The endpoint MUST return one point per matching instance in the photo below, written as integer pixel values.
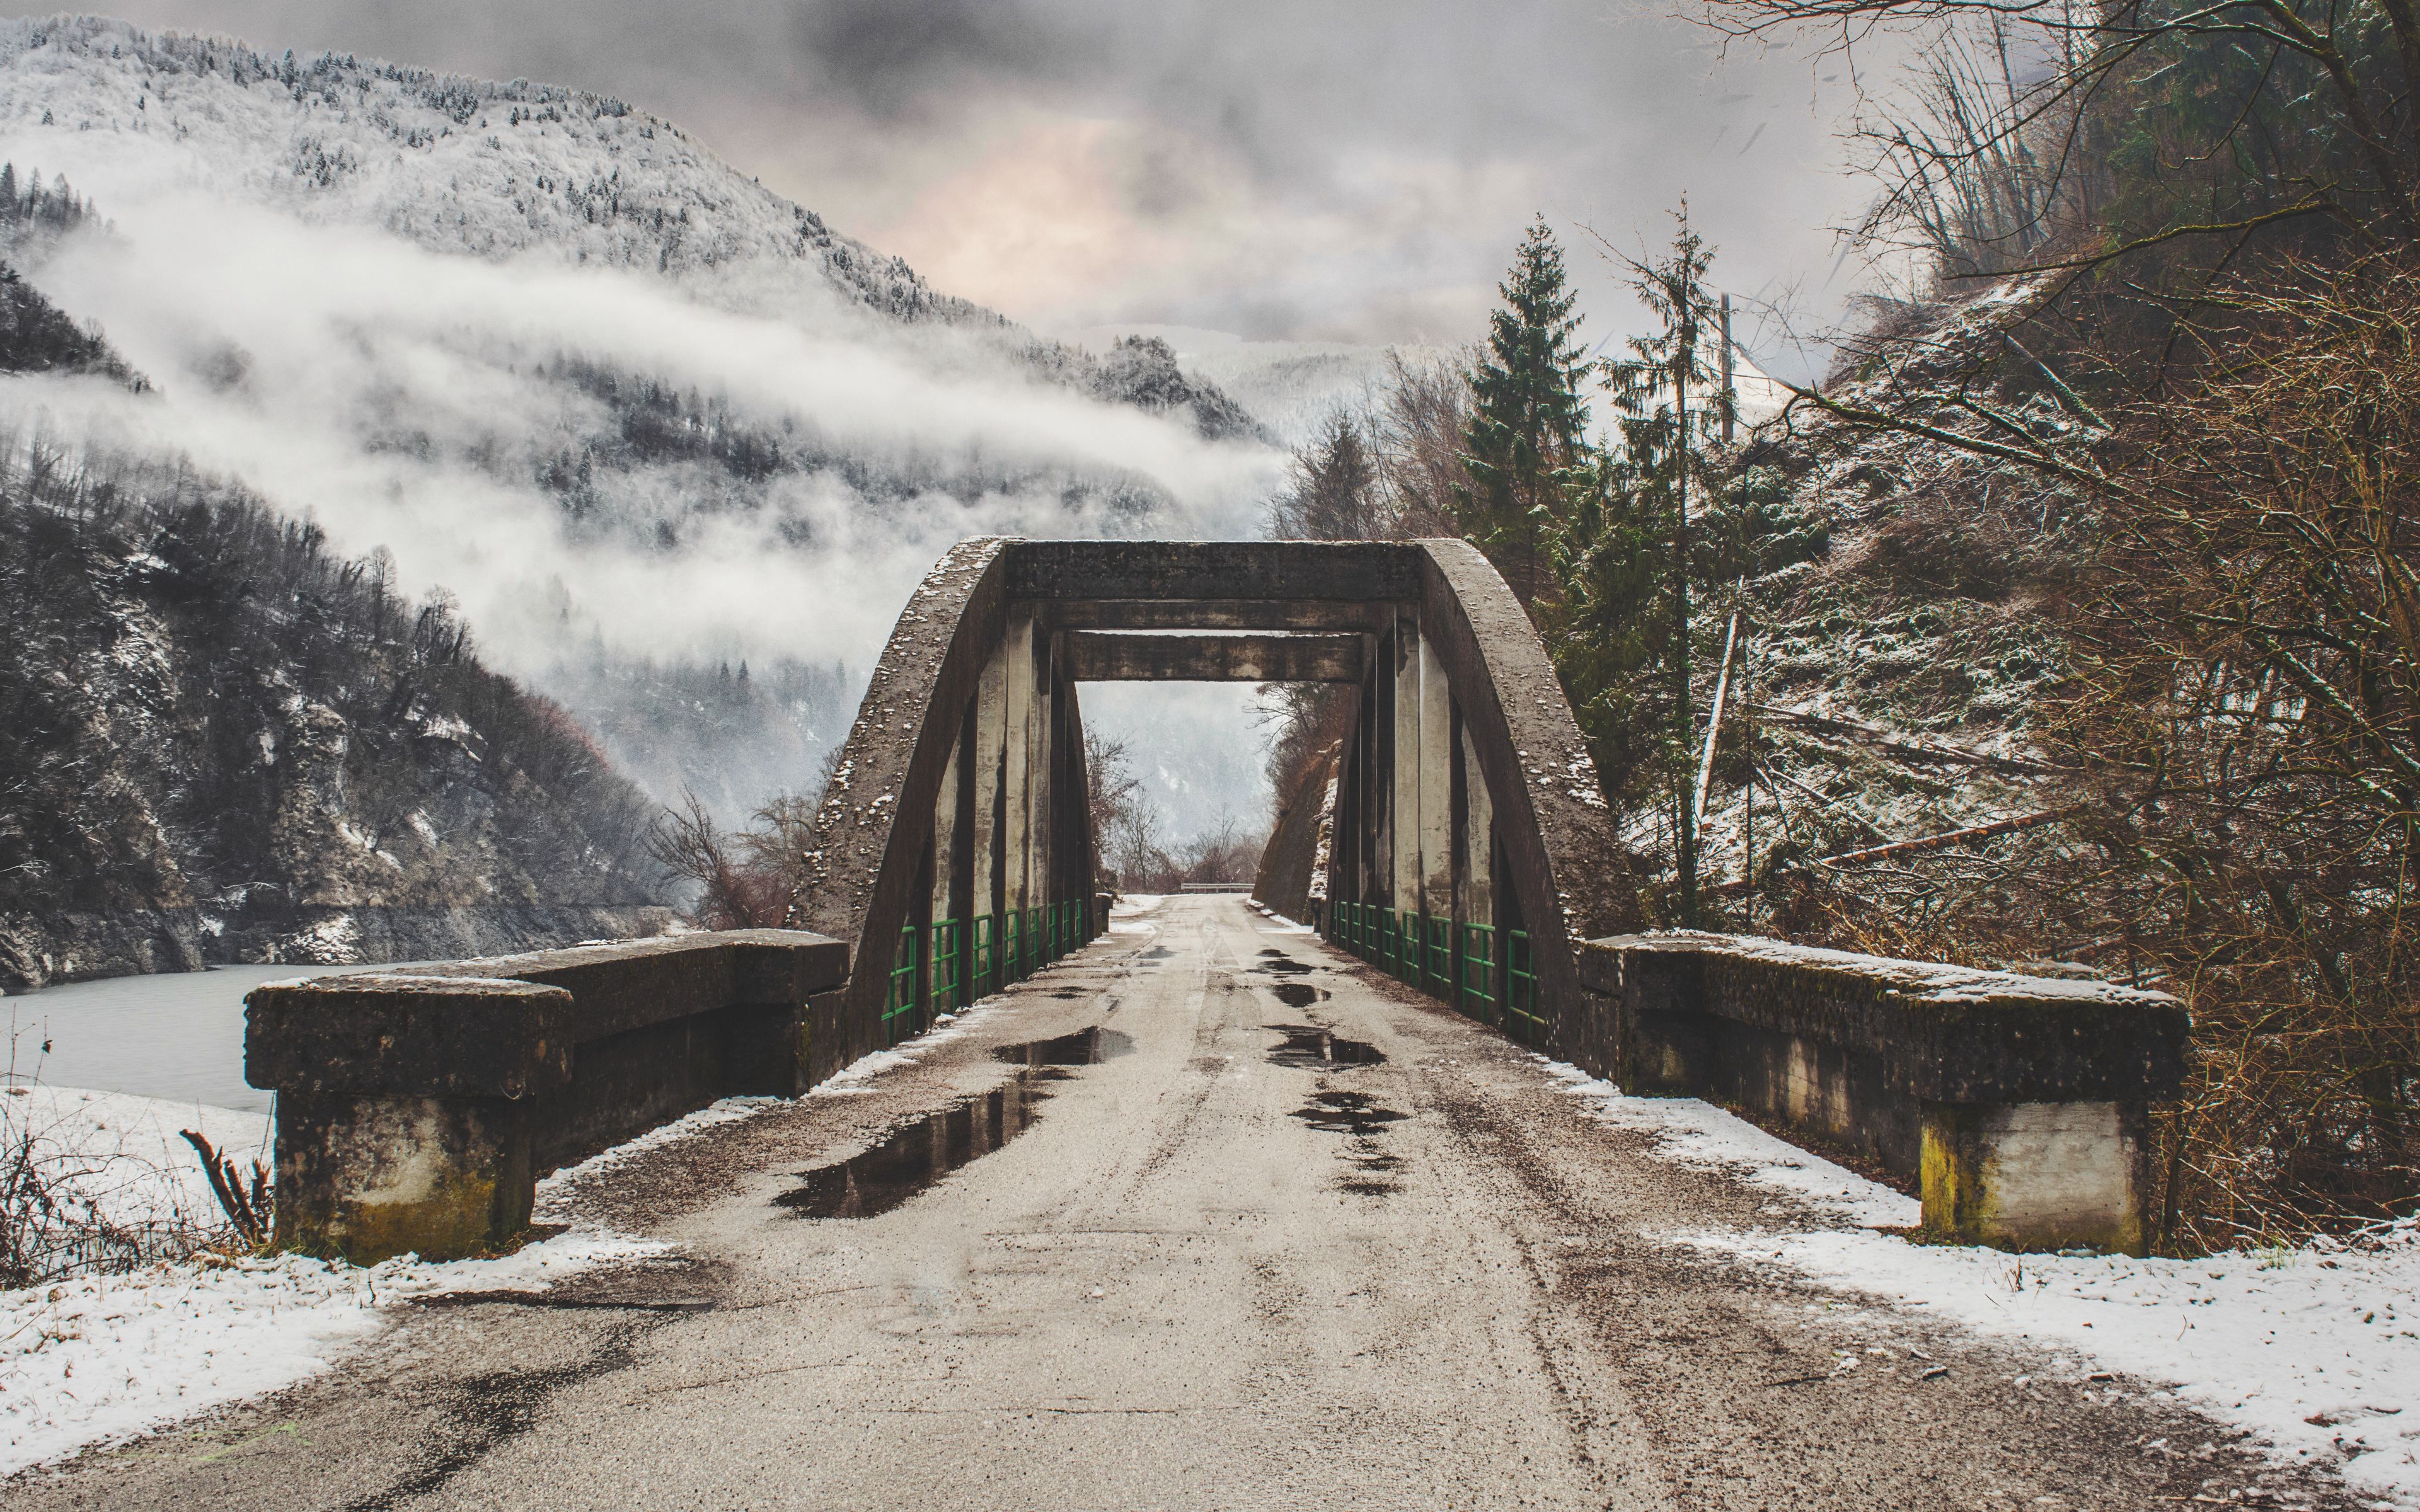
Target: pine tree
(1333, 495)
(1528, 423)
(1673, 406)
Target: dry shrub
(68, 1208)
(743, 880)
(2248, 703)
(2242, 729)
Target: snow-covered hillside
(454, 164)
(1289, 386)
(628, 407)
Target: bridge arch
(1467, 846)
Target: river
(178, 1036)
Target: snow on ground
(2315, 1351)
(110, 1358)
(103, 1359)
(1284, 925)
(123, 1156)
(1126, 914)
(1699, 1135)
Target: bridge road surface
(1202, 1271)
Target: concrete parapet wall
(416, 1110)
(2018, 1103)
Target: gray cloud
(897, 59)
(1356, 170)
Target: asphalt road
(1277, 1234)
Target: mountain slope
(642, 416)
(454, 164)
(220, 741)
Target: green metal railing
(1478, 972)
(1487, 972)
(982, 958)
(948, 964)
(902, 1004)
(1521, 1017)
(945, 984)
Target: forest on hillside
(221, 741)
(2072, 622)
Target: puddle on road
(1279, 964)
(1085, 1048)
(921, 1153)
(1297, 994)
(1349, 1113)
(1309, 1047)
(1158, 953)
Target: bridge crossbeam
(1144, 657)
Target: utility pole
(1684, 359)
(1731, 395)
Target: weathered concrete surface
(1456, 653)
(1320, 571)
(1140, 656)
(1548, 811)
(2019, 1102)
(862, 875)
(1172, 1291)
(415, 1109)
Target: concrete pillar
(371, 1176)
(988, 774)
(1041, 769)
(1404, 808)
(945, 883)
(1477, 905)
(1437, 786)
(1369, 795)
(2035, 1176)
(1016, 820)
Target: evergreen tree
(1673, 406)
(1527, 435)
(1333, 495)
(1656, 525)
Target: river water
(178, 1036)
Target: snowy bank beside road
(124, 1158)
(2315, 1351)
(102, 1358)
(109, 1358)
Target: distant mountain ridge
(583, 176)
(662, 475)
(500, 170)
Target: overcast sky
(1355, 170)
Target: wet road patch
(1309, 1047)
(1085, 1048)
(1297, 994)
(917, 1155)
(1349, 1113)
(1277, 963)
(1369, 1169)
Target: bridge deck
(1218, 1268)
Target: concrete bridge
(1458, 843)
(1465, 828)
(1303, 1220)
